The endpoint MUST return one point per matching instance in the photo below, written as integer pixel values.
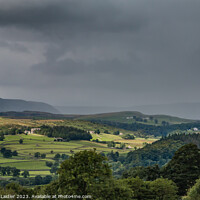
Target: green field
(38, 143)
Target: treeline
(29, 181)
(65, 132)
(9, 171)
(146, 129)
(186, 138)
(7, 153)
(13, 130)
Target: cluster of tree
(25, 173)
(65, 132)
(39, 180)
(113, 156)
(116, 133)
(7, 153)
(28, 181)
(145, 120)
(139, 119)
(54, 167)
(9, 171)
(112, 144)
(128, 137)
(39, 155)
(183, 169)
(97, 131)
(145, 129)
(60, 157)
(99, 141)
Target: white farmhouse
(34, 129)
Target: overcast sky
(100, 52)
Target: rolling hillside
(133, 116)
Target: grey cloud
(70, 67)
(14, 46)
(83, 51)
(69, 16)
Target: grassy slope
(85, 125)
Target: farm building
(58, 140)
(34, 129)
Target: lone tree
(21, 141)
(43, 155)
(25, 174)
(7, 153)
(37, 155)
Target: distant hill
(133, 116)
(35, 115)
(19, 105)
(86, 110)
(127, 117)
(183, 110)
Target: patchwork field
(38, 143)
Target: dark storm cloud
(129, 51)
